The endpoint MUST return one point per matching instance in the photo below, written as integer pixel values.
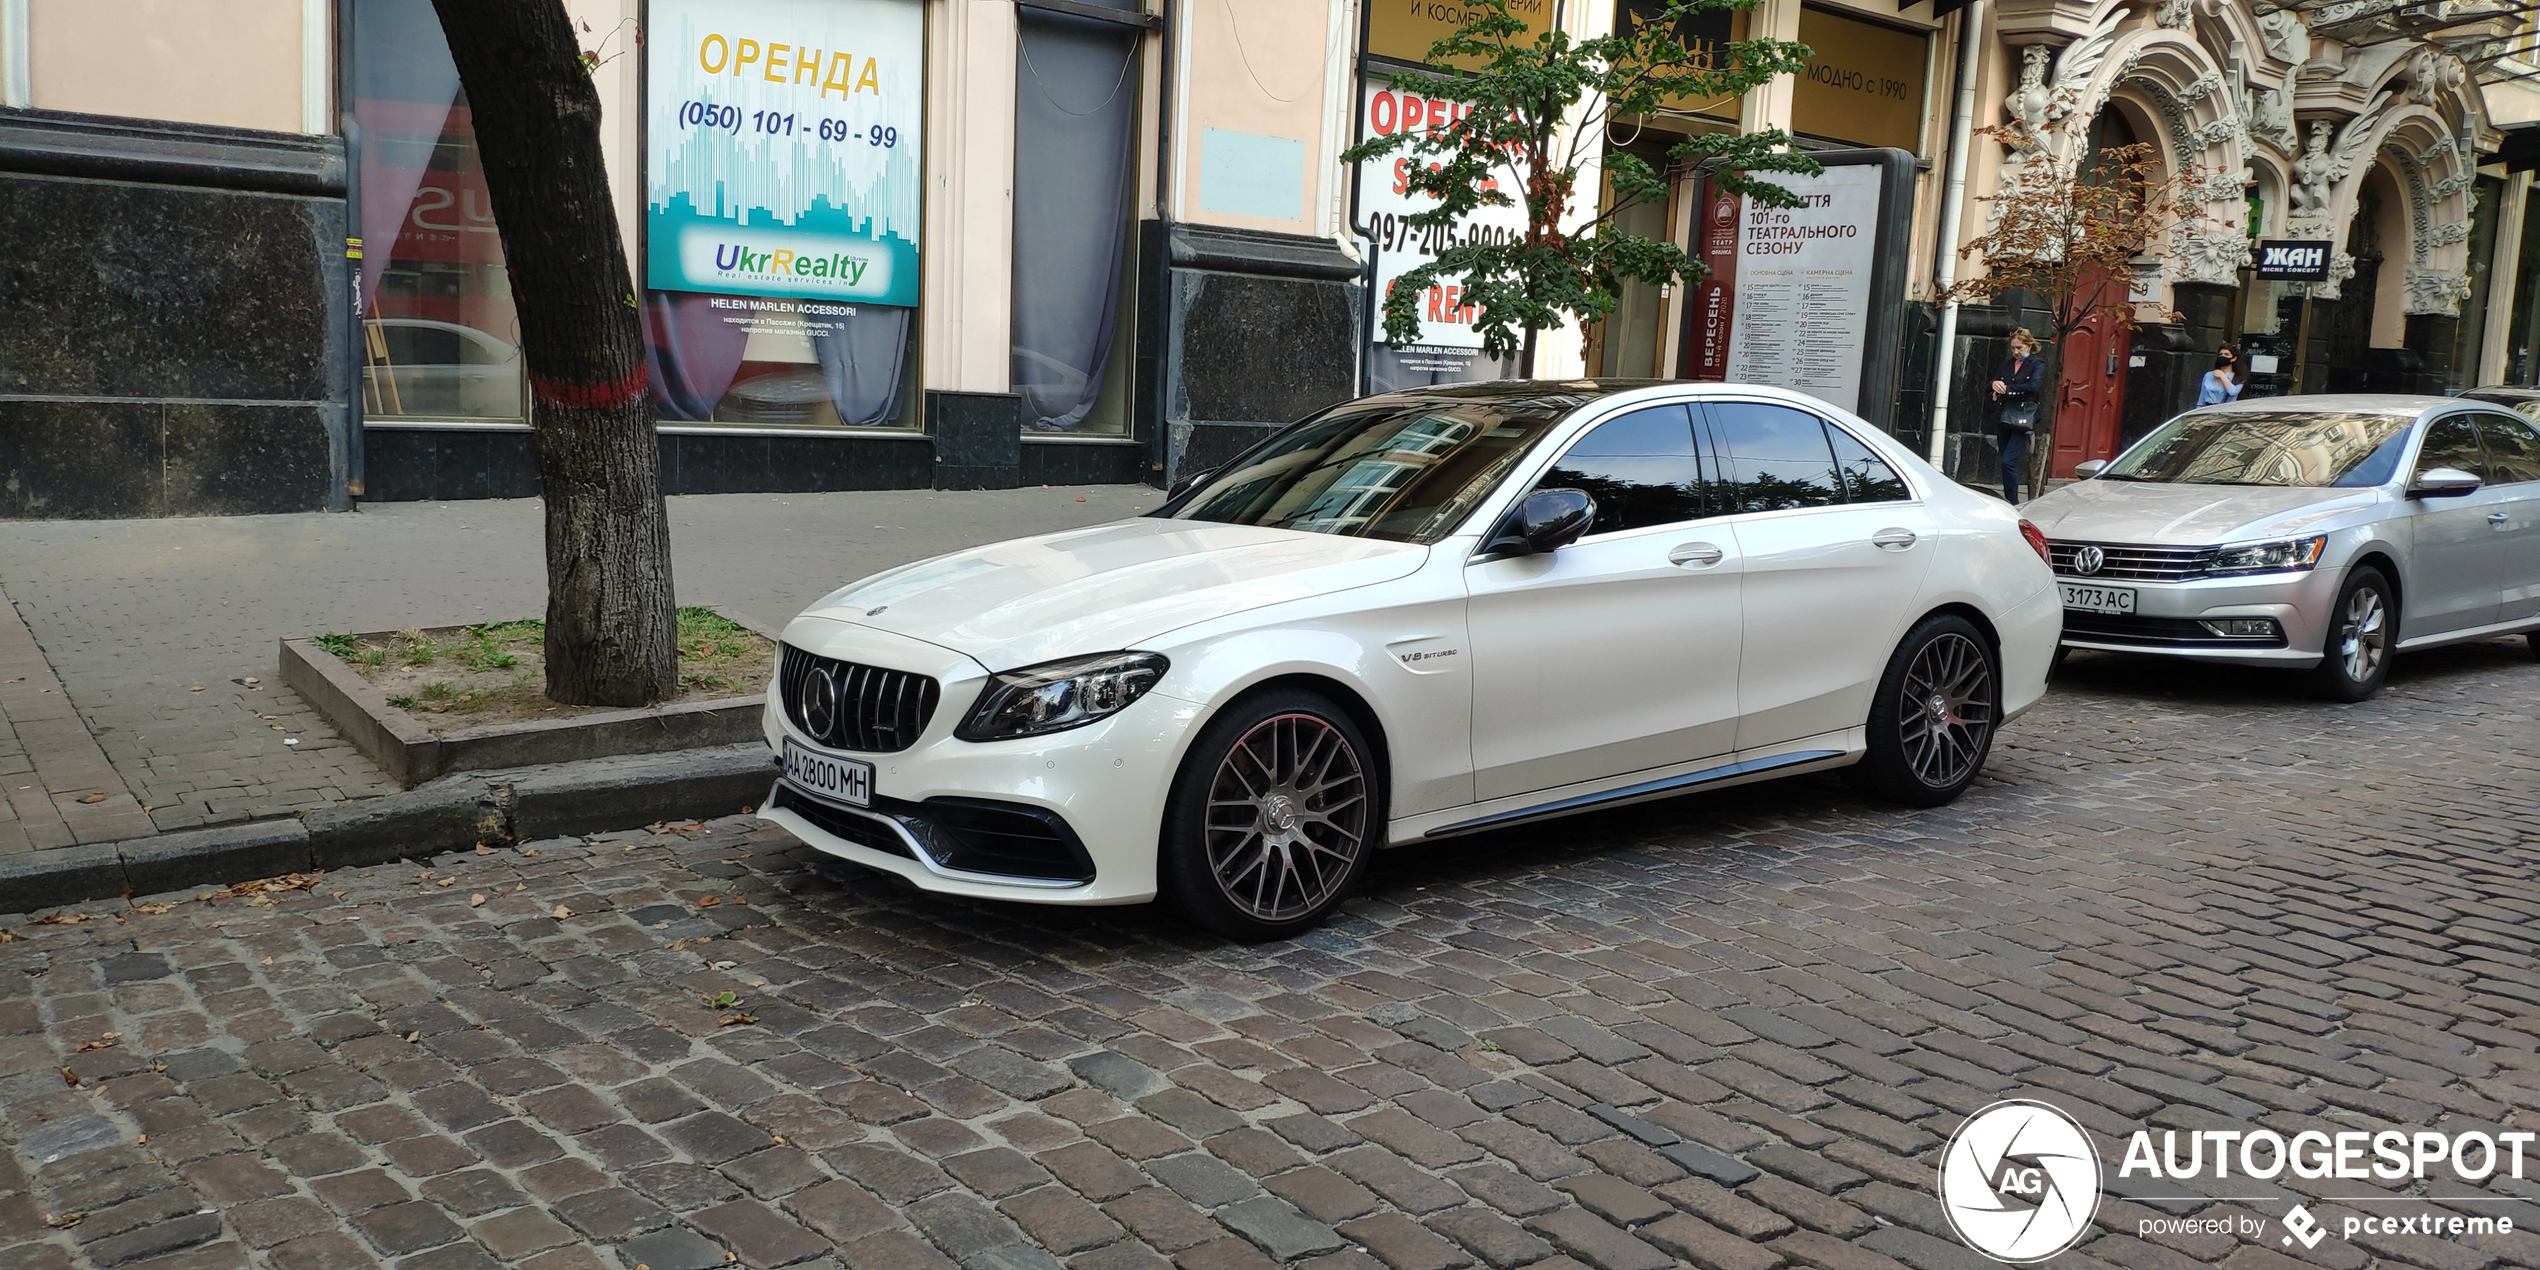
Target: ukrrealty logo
(778, 261)
(2019, 1181)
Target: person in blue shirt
(2015, 389)
(2222, 383)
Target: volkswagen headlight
(1055, 696)
(2284, 555)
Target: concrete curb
(454, 812)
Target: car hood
(2186, 515)
(1111, 586)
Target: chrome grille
(850, 707)
(2129, 562)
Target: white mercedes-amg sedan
(1412, 616)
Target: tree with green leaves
(1540, 110)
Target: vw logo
(2089, 560)
(817, 700)
(2020, 1181)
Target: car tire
(2533, 638)
(2362, 628)
(1933, 719)
(1273, 818)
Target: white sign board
(782, 142)
(1385, 203)
(1799, 280)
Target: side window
(2513, 449)
(1775, 456)
(2452, 442)
(1866, 477)
(1640, 468)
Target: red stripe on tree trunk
(582, 396)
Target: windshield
(1405, 471)
(2289, 447)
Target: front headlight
(2287, 555)
(1055, 696)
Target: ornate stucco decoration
(2310, 195)
(2214, 257)
(2438, 292)
(2286, 36)
(2341, 267)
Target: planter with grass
(470, 698)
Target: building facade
(978, 243)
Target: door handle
(1893, 539)
(2498, 519)
(1694, 555)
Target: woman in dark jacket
(2015, 389)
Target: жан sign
(1809, 298)
(2292, 260)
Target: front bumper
(2168, 616)
(1104, 784)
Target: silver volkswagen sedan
(2310, 533)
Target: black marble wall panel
(1083, 463)
(408, 465)
(1263, 350)
(122, 290)
(73, 459)
(978, 439)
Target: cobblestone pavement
(164, 631)
(1731, 1031)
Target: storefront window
(1075, 124)
(439, 338)
(782, 171)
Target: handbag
(2020, 418)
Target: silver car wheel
(2366, 636)
(1287, 817)
(1946, 714)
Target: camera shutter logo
(2020, 1181)
(2089, 560)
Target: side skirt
(1818, 753)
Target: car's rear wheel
(1273, 817)
(2356, 656)
(1932, 722)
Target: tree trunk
(2041, 443)
(612, 628)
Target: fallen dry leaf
(93, 798)
(482, 849)
(709, 901)
(63, 1222)
(561, 912)
(445, 881)
(62, 919)
(105, 1042)
(69, 1077)
(477, 900)
(154, 907)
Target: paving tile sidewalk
(162, 632)
(60, 789)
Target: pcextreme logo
(2020, 1181)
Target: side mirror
(1548, 520)
(2084, 471)
(1189, 482)
(2443, 482)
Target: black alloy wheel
(1932, 722)
(1273, 818)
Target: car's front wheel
(1932, 722)
(1273, 817)
(2356, 656)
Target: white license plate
(839, 780)
(2097, 599)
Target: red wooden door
(2092, 371)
